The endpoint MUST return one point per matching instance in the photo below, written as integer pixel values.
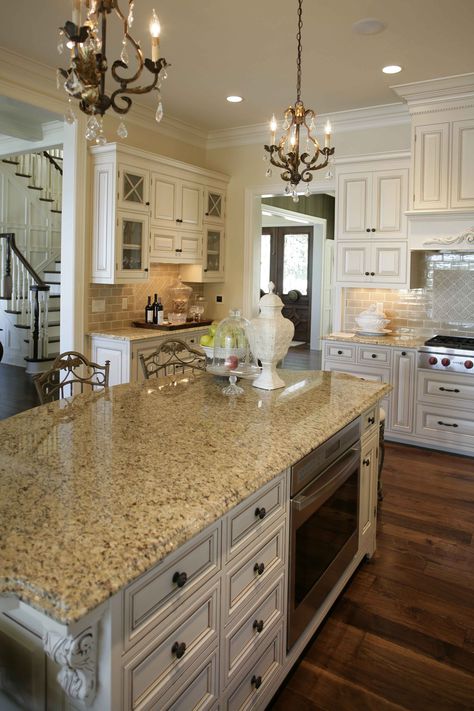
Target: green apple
(212, 329)
(206, 340)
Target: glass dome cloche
(232, 355)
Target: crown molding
(20, 78)
(372, 117)
(443, 90)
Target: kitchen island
(102, 494)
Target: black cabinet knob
(374, 355)
(404, 353)
(207, 214)
(366, 462)
(258, 625)
(147, 203)
(178, 220)
(371, 420)
(372, 273)
(178, 649)
(261, 513)
(259, 568)
(366, 273)
(205, 269)
(145, 270)
(339, 353)
(178, 250)
(368, 229)
(256, 681)
(373, 229)
(180, 579)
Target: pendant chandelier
(85, 78)
(298, 151)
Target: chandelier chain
(298, 60)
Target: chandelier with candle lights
(298, 151)
(85, 36)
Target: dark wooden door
(288, 260)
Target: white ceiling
(221, 47)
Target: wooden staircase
(32, 301)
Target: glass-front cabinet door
(214, 254)
(132, 246)
(214, 205)
(133, 188)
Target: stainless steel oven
(324, 524)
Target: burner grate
(451, 342)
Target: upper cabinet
(442, 118)
(148, 208)
(372, 203)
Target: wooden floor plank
(401, 635)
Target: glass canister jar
(180, 295)
(232, 354)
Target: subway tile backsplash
(115, 316)
(445, 304)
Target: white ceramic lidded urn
(270, 335)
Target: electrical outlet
(98, 306)
(219, 300)
(124, 303)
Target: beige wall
(246, 167)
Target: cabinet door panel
(191, 206)
(103, 226)
(431, 166)
(117, 356)
(389, 262)
(462, 184)
(354, 205)
(191, 246)
(352, 261)
(390, 203)
(133, 188)
(164, 202)
(368, 488)
(133, 233)
(163, 245)
(403, 396)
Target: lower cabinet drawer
(339, 351)
(155, 595)
(372, 354)
(200, 691)
(241, 641)
(159, 662)
(257, 680)
(250, 574)
(369, 419)
(445, 425)
(452, 391)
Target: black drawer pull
(258, 625)
(261, 513)
(178, 250)
(259, 568)
(178, 220)
(180, 579)
(256, 681)
(371, 420)
(178, 649)
(374, 355)
(449, 390)
(366, 462)
(447, 424)
(339, 352)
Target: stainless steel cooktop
(447, 353)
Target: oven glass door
(323, 535)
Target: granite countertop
(96, 489)
(397, 340)
(140, 334)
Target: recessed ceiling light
(368, 26)
(392, 69)
(269, 195)
(234, 99)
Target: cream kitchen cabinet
(371, 203)
(214, 205)
(211, 268)
(402, 410)
(371, 263)
(443, 164)
(176, 203)
(120, 238)
(368, 487)
(175, 246)
(133, 188)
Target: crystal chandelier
(298, 125)
(85, 78)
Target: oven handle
(333, 477)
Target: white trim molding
(464, 240)
(421, 95)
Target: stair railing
(27, 294)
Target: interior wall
(246, 167)
(320, 205)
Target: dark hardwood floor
(301, 358)
(17, 392)
(401, 636)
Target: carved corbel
(465, 238)
(78, 660)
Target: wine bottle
(149, 311)
(159, 312)
(155, 309)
